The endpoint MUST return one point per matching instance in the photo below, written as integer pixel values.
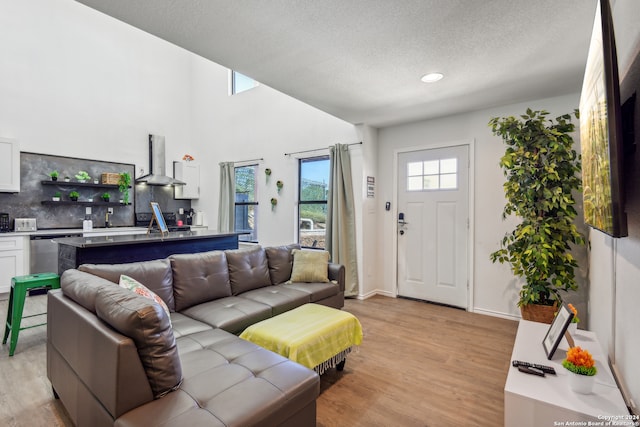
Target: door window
(439, 174)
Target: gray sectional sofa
(117, 358)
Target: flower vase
(572, 329)
(582, 384)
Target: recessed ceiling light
(432, 77)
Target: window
(246, 205)
(432, 175)
(240, 82)
(312, 201)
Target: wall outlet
(87, 210)
(110, 210)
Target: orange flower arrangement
(575, 313)
(580, 362)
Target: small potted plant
(56, 196)
(67, 179)
(106, 197)
(581, 364)
(73, 196)
(83, 176)
(54, 175)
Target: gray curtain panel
(341, 222)
(226, 206)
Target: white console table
(530, 400)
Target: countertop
(63, 231)
(129, 239)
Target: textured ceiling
(361, 60)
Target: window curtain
(341, 223)
(226, 206)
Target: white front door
(433, 219)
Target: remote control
(544, 368)
(532, 371)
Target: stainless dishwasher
(44, 252)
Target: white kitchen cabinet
(9, 165)
(188, 172)
(13, 260)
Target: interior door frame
(470, 143)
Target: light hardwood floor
(419, 364)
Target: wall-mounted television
(601, 131)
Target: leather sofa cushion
(232, 314)
(83, 287)
(148, 325)
(278, 297)
(231, 382)
(316, 291)
(280, 260)
(199, 278)
(155, 275)
(248, 269)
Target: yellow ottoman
(316, 336)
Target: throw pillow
(310, 266)
(140, 289)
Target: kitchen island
(74, 251)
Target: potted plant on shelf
(54, 175)
(83, 176)
(73, 196)
(56, 196)
(106, 197)
(123, 185)
(542, 171)
(583, 368)
(67, 179)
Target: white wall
(74, 82)
(259, 123)
(495, 291)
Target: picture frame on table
(557, 330)
(158, 218)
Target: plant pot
(538, 313)
(106, 199)
(582, 384)
(55, 199)
(54, 178)
(73, 199)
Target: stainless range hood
(157, 165)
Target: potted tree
(542, 171)
(106, 197)
(73, 196)
(54, 175)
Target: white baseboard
(374, 293)
(496, 314)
